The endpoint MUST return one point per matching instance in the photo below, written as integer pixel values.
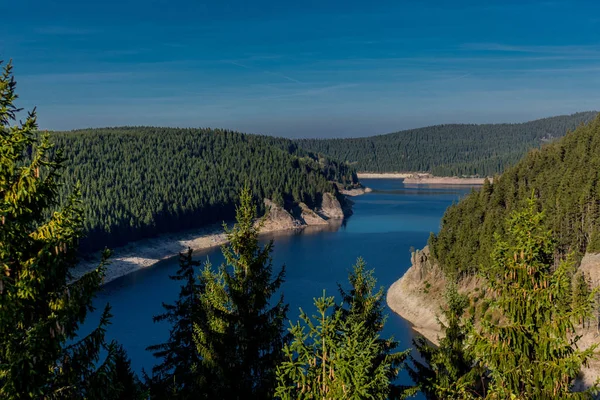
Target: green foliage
(362, 304)
(449, 370)
(239, 334)
(594, 244)
(443, 150)
(580, 297)
(139, 182)
(530, 352)
(334, 359)
(339, 353)
(564, 176)
(176, 377)
(40, 311)
(131, 388)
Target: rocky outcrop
(417, 296)
(355, 191)
(590, 265)
(331, 207)
(309, 217)
(278, 218)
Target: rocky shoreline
(356, 191)
(146, 253)
(418, 295)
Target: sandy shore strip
(147, 252)
(422, 178)
(444, 180)
(386, 175)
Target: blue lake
(385, 224)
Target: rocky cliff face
(417, 296)
(331, 207)
(308, 216)
(278, 218)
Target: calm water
(385, 224)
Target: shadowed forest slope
(563, 176)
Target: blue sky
(302, 68)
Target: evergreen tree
(40, 311)
(449, 370)
(581, 295)
(131, 387)
(239, 334)
(176, 376)
(530, 352)
(362, 304)
(331, 358)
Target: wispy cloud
(64, 30)
(284, 77)
(238, 64)
(314, 91)
(79, 78)
(565, 50)
(289, 78)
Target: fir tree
(362, 304)
(331, 358)
(581, 295)
(131, 388)
(530, 352)
(449, 370)
(338, 353)
(177, 374)
(239, 335)
(40, 311)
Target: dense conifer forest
(563, 176)
(138, 182)
(448, 150)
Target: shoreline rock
(356, 191)
(310, 217)
(417, 296)
(330, 207)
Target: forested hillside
(563, 176)
(448, 150)
(140, 181)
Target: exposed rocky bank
(278, 218)
(146, 253)
(418, 296)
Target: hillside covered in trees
(448, 150)
(138, 182)
(564, 178)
